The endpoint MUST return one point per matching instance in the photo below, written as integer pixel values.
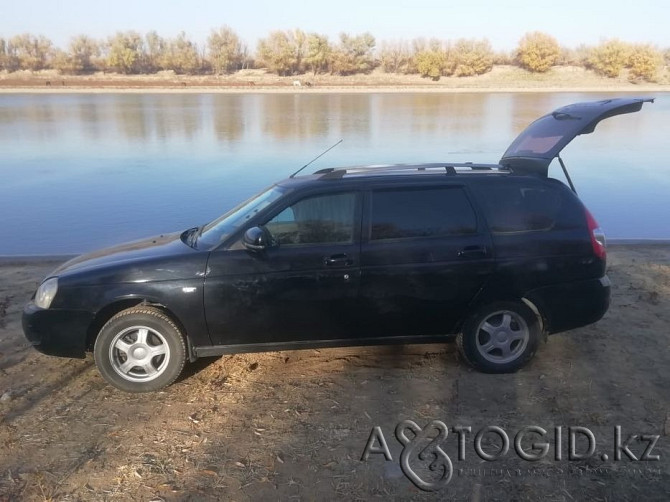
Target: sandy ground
(500, 79)
(293, 425)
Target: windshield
(215, 232)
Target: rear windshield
(520, 208)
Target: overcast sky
(503, 22)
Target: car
(496, 255)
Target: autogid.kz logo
(425, 462)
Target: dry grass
(292, 425)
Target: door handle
(338, 260)
(472, 251)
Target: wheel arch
(493, 294)
(121, 304)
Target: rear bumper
(572, 305)
(56, 332)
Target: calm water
(78, 172)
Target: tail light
(597, 237)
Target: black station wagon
(498, 255)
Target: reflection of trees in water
(40, 115)
(130, 116)
(525, 108)
(176, 115)
(229, 115)
(450, 114)
(162, 117)
(91, 118)
(287, 116)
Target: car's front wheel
(140, 349)
(500, 338)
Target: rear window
(412, 213)
(518, 208)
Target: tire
(140, 350)
(500, 337)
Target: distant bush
(644, 62)
(609, 58)
(431, 63)
(471, 57)
(354, 54)
(537, 52)
(574, 57)
(396, 57)
(502, 58)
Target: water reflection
(85, 170)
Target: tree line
(292, 52)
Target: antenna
(316, 158)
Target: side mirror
(257, 239)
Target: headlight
(46, 292)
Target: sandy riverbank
(293, 424)
(500, 79)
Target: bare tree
(283, 51)
(226, 52)
(354, 54)
(182, 55)
(31, 52)
(155, 49)
(318, 53)
(395, 57)
(124, 52)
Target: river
(83, 171)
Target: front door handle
(472, 252)
(338, 260)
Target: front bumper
(57, 332)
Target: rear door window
(417, 213)
(518, 208)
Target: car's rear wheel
(140, 350)
(500, 338)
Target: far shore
(324, 90)
(499, 79)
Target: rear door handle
(472, 252)
(338, 260)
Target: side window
(511, 209)
(324, 219)
(410, 213)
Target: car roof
(397, 173)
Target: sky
(503, 22)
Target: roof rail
(449, 169)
